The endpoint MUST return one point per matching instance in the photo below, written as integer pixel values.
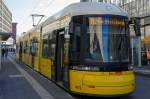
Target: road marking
(15, 76)
(142, 71)
(44, 94)
(147, 71)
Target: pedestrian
(3, 52)
(14, 51)
(6, 52)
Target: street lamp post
(139, 52)
(0, 53)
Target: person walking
(3, 52)
(6, 52)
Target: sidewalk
(17, 81)
(13, 85)
(144, 70)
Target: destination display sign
(106, 21)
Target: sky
(22, 10)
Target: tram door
(20, 51)
(59, 56)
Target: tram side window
(34, 47)
(52, 44)
(25, 47)
(45, 48)
(21, 47)
(28, 48)
(76, 38)
(17, 48)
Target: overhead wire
(27, 18)
(38, 2)
(43, 10)
(48, 5)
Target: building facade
(5, 18)
(14, 31)
(139, 8)
(104, 1)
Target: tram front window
(108, 40)
(105, 39)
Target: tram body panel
(28, 49)
(24, 49)
(17, 55)
(36, 64)
(37, 59)
(20, 49)
(30, 61)
(101, 83)
(26, 58)
(17, 47)
(45, 62)
(45, 67)
(35, 50)
(23, 54)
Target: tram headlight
(86, 68)
(130, 67)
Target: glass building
(139, 8)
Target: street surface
(18, 81)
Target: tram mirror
(41, 29)
(136, 25)
(66, 29)
(70, 30)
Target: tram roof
(85, 8)
(88, 8)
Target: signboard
(101, 21)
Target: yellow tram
(84, 48)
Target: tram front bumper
(102, 83)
